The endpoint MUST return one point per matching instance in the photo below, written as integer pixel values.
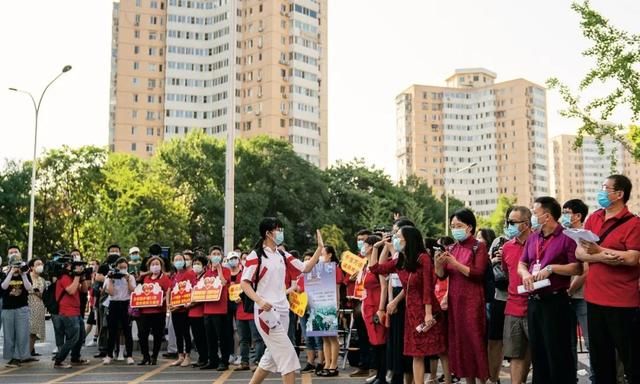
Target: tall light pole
(66, 68)
(229, 180)
(446, 198)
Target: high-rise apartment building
(500, 126)
(173, 63)
(579, 173)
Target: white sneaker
(130, 361)
(232, 359)
(121, 356)
(371, 379)
(237, 361)
(90, 343)
(107, 360)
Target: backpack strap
(615, 225)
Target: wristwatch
(548, 269)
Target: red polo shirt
(516, 303)
(614, 286)
(196, 309)
(218, 307)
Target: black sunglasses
(511, 222)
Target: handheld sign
(298, 303)
(207, 289)
(147, 295)
(352, 263)
(234, 292)
(359, 293)
(180, 294)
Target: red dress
(419, 288)
(377, 332)
(467, 314)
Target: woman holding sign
(424, 332)
(152, 319)
(196, 314)
(179, 313)
(263, 281)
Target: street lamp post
(446, 198)
(229, 180)
(36, 107)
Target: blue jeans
(16, 333)
(67, 330)
(247, 330)
(82, 334)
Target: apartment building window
(151, 99)
(149, 131)
(136, 49)
(135, 98)
(136, 65)
(149, 148)
(153, 35)
(133, 131)
(153, 20)
(134, 81)
(154, 4)
(138, 4)
(151, 83)
(282, 123)
(134, 114)
(133, 147)
(150, 116)
(136, 34)
(153, 51)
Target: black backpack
(51, 302)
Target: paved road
(98, 373)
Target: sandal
(332, 372)
(323, 373)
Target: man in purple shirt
(549, 254)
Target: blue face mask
(603, 199)
(178, 264)
(134, 257)
(512, 231)
(396, 244)
(565, 220)
(459, 234)
(360, 245)
(279, 239)
(535, 224)
(233, 263)
(215, 259)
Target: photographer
(119, 284)
(15, 313)
(113, 254)
(85, 282)
(67, 323)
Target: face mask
(155, 269)
(233, 263)
(360, 244)
(535, 224)
(603, 199)
(459, 234)
(178, 264)
(187, 263)
(363, 251)
(512, 231)
(215, 259)
(396, 244)
(39, 269)
(197, 268)
(77, 258)
(135, 257)
(279, 239)
(124, 270)
(114, 255)
(14, 255)
(565, 220)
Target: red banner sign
(207, 289)
(180, 294)
(147, 296)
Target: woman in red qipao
(465, 263)
(373, 311)
(424, 332)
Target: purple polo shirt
(557, 248)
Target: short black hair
(76, 250)
(508, 212)
(622, 183)
(215, 248)
(371, 240)
(13, 247)
(364, 232)
(466, 216)
(550, 205)
(268, 224)
(203, 260)
(113, 246)
(577, 206)
(488, 235)
(155, 249)
(32, 262)
(120, 261)
(403, 222)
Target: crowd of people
(470, 301)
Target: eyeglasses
(512, 222)
(609, 189)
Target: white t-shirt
(273, 271)
(120, 288)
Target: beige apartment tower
(172, 65)
(501, 127)
(579, 173)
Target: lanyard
(540, 249)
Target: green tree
(496, 220)
(617, 59)
(15, 184)
(332, 235)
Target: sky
(376, 50)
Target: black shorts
(91, 319)
(496, 320)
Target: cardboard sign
(352, 263)
(207, 289)
(147, 296)
(298, 303)
(180, 294)
(234, 292)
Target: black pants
(366, 357)
(214, 326)
(151, 324)
(550, 337)
(614, 329)
(380, 361)
(180, 322)
(200, 337)
(118, 320)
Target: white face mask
(197, 268)
(77, 258)
(155, 269)
(39, 269)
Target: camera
(23, 266)
(115, 274)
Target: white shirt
(273, 271)
(120, 288)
